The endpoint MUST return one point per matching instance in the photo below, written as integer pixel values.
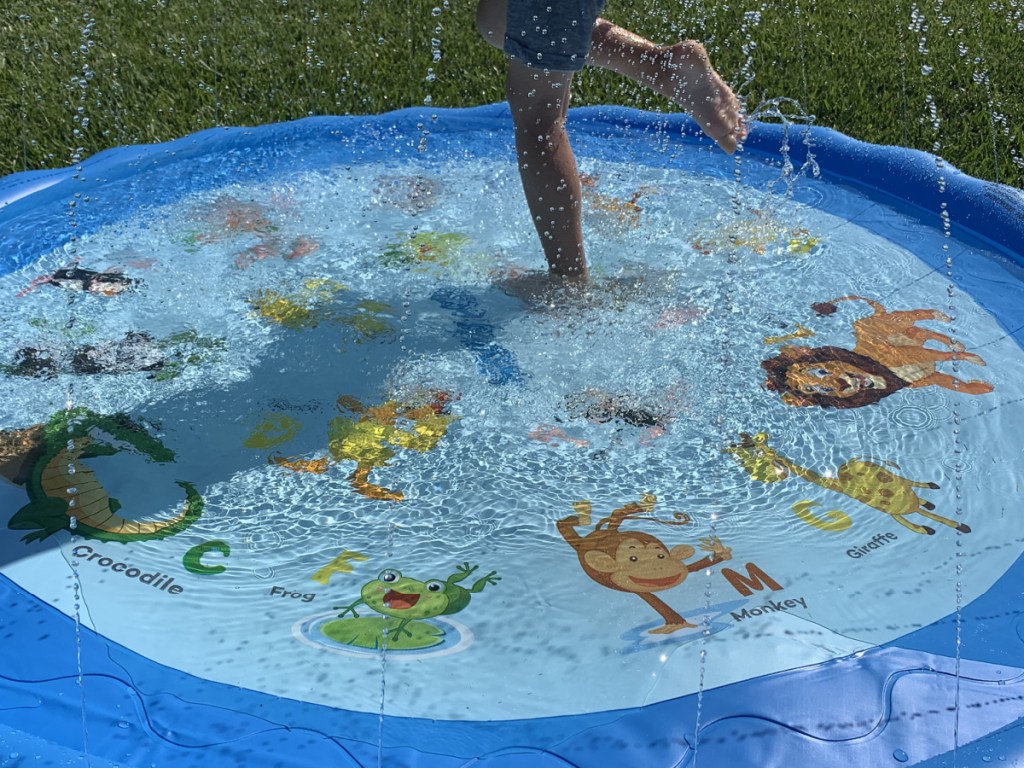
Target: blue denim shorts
(552, 34)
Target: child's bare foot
(683, 73)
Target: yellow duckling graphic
(370, 436)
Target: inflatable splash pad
(304, 465)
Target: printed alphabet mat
(317, 429)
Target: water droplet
(900, 755)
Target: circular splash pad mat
(303, 464)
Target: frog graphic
(404, 602)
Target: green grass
(153, 70)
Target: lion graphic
(888, 355)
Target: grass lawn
(78, 76)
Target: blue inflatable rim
(911, 180)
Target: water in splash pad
(316, 465)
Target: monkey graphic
(637, 562)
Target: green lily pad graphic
(368, 632)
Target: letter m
(756, 579)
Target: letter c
(192, 559)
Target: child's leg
(490, 21)
(539, 100)
(681, 72)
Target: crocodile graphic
(66, 495)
